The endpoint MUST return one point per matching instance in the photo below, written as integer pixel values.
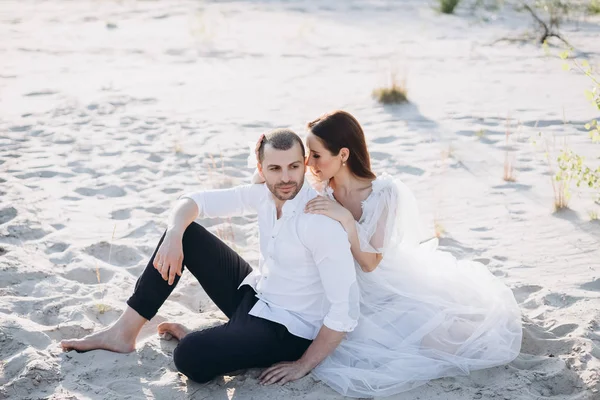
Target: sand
(110, 110)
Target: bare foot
(177, 331)
(120, 337)
(110, 339)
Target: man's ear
(260, 169)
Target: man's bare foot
(177, 331)
(120, 337)
(109, 339)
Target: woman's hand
(258, 143)
(332, 209)
(257, 177)
(169, 257)
(283, 372)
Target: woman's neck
(344, 182)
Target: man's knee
(194, 232)
(190, 359)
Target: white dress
(424, 315)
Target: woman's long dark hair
(340, 129)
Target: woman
(424, 315)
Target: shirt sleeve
(328, 242)
(236, 201)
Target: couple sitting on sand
(345, 288)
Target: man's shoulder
(320, 225)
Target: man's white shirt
(305, 277)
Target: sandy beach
(110, 110)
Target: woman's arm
(367, 261)
(322, 205)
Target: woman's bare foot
(177, 331)
(120, 337)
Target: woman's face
(321, 162)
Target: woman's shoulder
(384, 182)
(384, 187)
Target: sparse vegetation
(448, 6)
(593, 7)
(560, 185)
(102, 308)
(395, 94)
(572, 166)
(439, 229)
(509, 169)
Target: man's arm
(323, 345)
(239, 200)
(329, 245)
(211, 203)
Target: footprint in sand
(46, 92)
(7, 214)
(56, 248)
(593, 286)
(560, 300)
(564, 330)
(156, 210)
(89, 276)
(155, 158)
(115, 254)
(44, 174)
(121, 214)
(149, 229)
(107, 191)
(20, 128)
(522, 293)
(25, 232)
(385, 139)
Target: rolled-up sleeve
(236, 201)
(330, 248)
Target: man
(292, 311)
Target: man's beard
(273, 189)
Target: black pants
(245, 341)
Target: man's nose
(285, 176)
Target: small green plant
(102, 308)
(395, 94)
(593, 215)
(439, 229)
(561, 183)
(593, 7)
(572, 166)
(448, 6)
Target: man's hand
(284, 372)
(169, 258)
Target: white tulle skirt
(424, 315)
